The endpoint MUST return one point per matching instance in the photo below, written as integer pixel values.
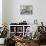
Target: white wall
(4, 11)
(0, 13)
(12, 11)
(41, 9)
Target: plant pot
(2, 40)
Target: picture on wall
(26, 9)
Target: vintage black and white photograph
(26, 9)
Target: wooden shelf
(19, 29)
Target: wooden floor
(32, 45)
(42, 45)
(2, 45)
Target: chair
(42, 37)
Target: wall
(12, 11)
(41, 8)
(0, 13)
(4, 11)
(15, 13)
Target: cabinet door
(25, 27)
(19, 30)
(12, 30)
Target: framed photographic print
(26, 9)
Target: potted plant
(3, 34)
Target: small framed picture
(26, 9)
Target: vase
(2, 40)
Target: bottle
(35, 21)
